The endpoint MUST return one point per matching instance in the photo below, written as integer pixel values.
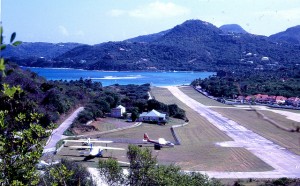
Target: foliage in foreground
(143, 170)
(66, 173)
(21, 134)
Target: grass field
(201, 98)
(251, 120)
(280, 119)
(198, 150)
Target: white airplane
(161, 142)
(88, 141)
(42, 164)
(95, 151)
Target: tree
(21, 135)
(134, 114)
(66, 173)
(141, 165)
(112, 171)
(143, 170)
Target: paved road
(285, 163)
(58, 132)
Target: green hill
(192, 45)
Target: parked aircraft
(42, 164)
(95, 151)
(161, 142)
(88, 141)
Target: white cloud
(153, 10)
(79, 33)
(159, 10)
(116, 12)
(288, 14)
(70, 33)
(63, 30)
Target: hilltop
(233, 28)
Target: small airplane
(95, 151)
(88, 141)
(42, 164)
(161, 142)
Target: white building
(153, 115)
(265, 59)
(118, 111)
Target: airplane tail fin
(146, 137)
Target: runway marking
(282, 160)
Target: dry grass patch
(251, 120)
(106, 124)
(192, 93)
(198, 150)
(281, 119)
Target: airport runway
(285, 163)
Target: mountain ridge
(291, 35)
(192, 45)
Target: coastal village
(259, 99)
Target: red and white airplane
(161, 142)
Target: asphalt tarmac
(57, 134)
(284, 162)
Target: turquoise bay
(122, 77)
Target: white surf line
(285, 163)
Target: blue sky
(97, 21)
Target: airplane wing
(112, 148)
(84, 141)
(96, 141)
(96, 147)
(80, 147)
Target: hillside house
(118, 111)
(280, 99)
(151, 116)
(249, 98)
(262, 98)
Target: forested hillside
(290, 35)
(192, 45)
(283, 82)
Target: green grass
(191, 92)
(251, 120)
(198, 150)
(281, 119)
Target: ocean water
(121, 77)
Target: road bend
(56, 134)
(284, 162)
